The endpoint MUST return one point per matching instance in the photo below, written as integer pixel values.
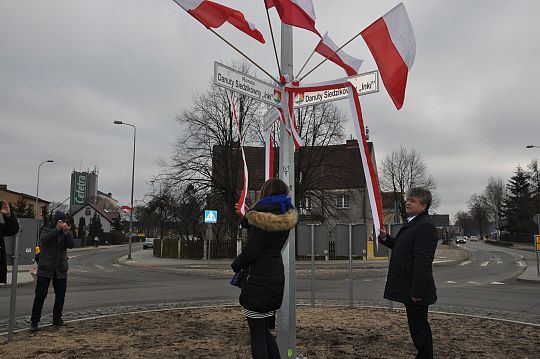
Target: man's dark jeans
(42, 288)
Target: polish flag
(268, 156)
(299, 13)
(126, 208)
(393, 46)
(213, 15)
(327, 48)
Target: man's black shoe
(34, 327)
(59, 323)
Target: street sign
(537, 243)
(270, 117)
(210, 216)
(365, 83)
(250, 86)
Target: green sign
(79, 188)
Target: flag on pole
(299, 13)
(268, 156)
(213, 15)
(327, 48)
(393, 46)
(126, 208)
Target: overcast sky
(69, 68)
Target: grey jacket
(53, 257)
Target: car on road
(461, 239)
(473, 239)
(148, 243)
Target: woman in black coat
(268, 224)
(9, 227)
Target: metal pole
(286, 320)
(13, 299)
(350, 268)
(132, 186)
(312, 264)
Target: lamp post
(36, 211)
(532, 146)
(132, 183)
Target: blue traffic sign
(210, 216)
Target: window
(306, 202)
(87, 211)
(343, 201)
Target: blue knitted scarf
(283, 200)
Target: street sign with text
(250, 86)
(365, 83)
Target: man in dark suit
(410, 274)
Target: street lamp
(36, 212)
(532, 146)
(132, 183)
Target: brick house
(12, 197)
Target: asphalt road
(485, 284)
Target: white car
(461, 239)
(473, 239)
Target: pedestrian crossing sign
(210, 216)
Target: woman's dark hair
(273, 187)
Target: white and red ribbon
(369, 170)
(241, 204)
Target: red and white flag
(268, 156)
(126, 208)
(327, 48)
(213, 15)
(299, 13)
(391, 42)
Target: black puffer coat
(410, 273)
(53, 258)
(9, 228)
(268, 231)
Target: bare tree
(401, 170)
(494, 195)
(479, 212)
(206, 154)
(534, 174)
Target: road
(485, 284)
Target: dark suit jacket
(9, 228)
(410, 273)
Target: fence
(194, 248)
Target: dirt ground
(322, 332)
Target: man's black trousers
(417, 316)
(42, 288)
